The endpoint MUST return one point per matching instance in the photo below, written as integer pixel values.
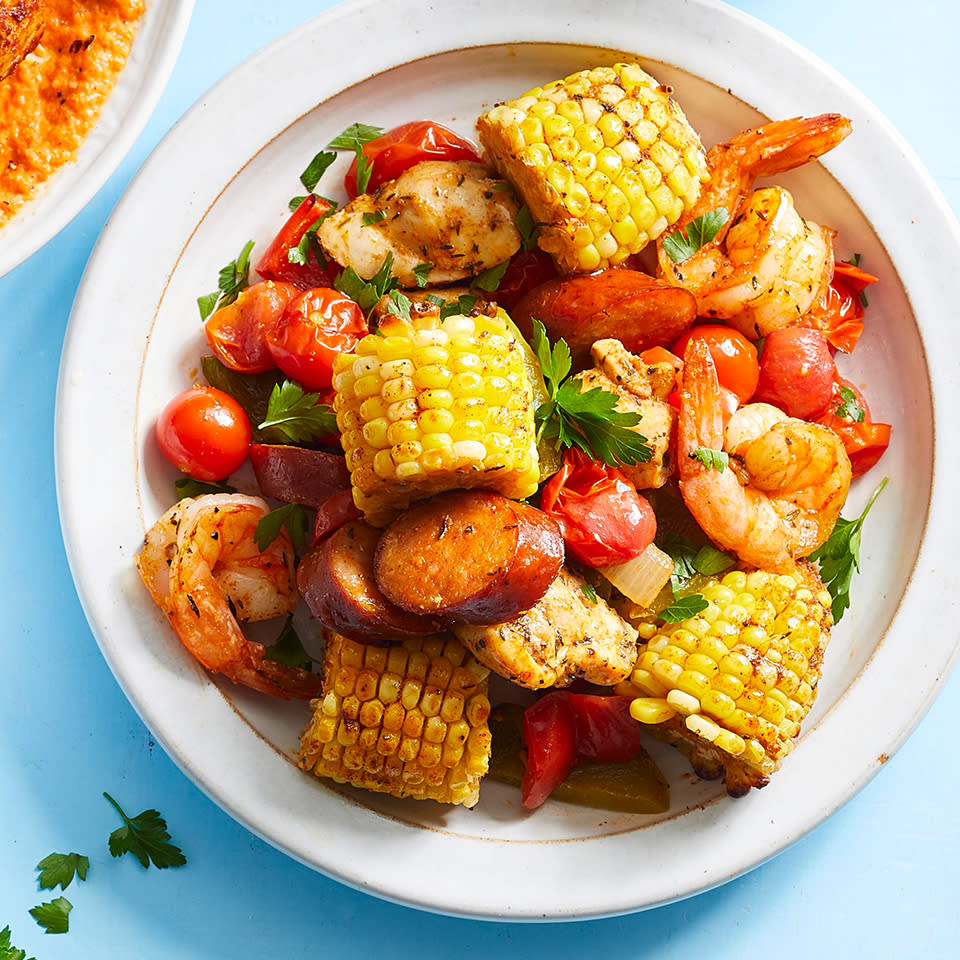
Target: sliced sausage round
(336, 581)
(469, 555)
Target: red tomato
(205, 433)
(606, 732)
(275, 263)
(661, 355)
(333, 513)
(864, 440)
(796, 372)
(839, 313)
(734, 356)
(528, 269)
(402, 147)
(315, 328)
(237, 333)
(603, 518)
(550, 735)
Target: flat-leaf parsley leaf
(146, 837)
(688, 606)
(711, 459)
(54, 916)
(287, 649)
(233, 278)
(291, 516)
(295, 416)
(58, 869)
(685, 242)
(7, 950)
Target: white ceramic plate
(497, 861)
(152, 56)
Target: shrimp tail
(786, 144)
(700, 424)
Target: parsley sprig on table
(294, 416)
(53, 916)
(146, 837)
(233, 278)
(7, 950)
(840, 556)
(59, 869)
(585, 419)
(685, 242)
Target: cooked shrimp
(786, 481)
(766, 266)
(204, 570)
(452, 214)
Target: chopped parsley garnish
(685, 242)
(840, 556)
(398, 304)
(291, 516)
(287, 648)
(459, 307)
(689, 559)
(684, 607)
(367, 293)
(526, 227)
(316, 168)
(850, 409)
(294, 416)
(146, 837)
(588, 420)
(309, 243)
(354, 138)
(588, 590)
(369, 219)
(295, 202)
(54, 916)
(421, 273)
(233, 278)
(59, 869)
(188, 487)
(489, 280)
(711, 459)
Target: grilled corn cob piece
(433, 405)
(734, 683)
(408, 720)
(604, 159)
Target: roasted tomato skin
(204, 433)
(797, 372)
(315, 328)
(734, 356)
(864, 440)
(550, 735)
(403, 147)
(275, 263)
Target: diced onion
(643, 577)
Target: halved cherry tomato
(796, 372)
(527, 270)
(734, 356)
(864, 440)
(839, 313)
(313, 331)
(204, 433)
(275, 263)
(550, 735)
(237, 333)
(661, 355)
(402, 147)
(562, 729)
(603, 518)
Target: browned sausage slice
(638, 310)
(469, 555)
(336, 580)
(297, 475)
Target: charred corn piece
(433, 405)
(408, 720)
(733, 683)
(604, 159)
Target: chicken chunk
(643, 389)
(451, 214)
(21, 25)
(567, 634)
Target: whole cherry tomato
(315, 328)
(275, 264)
(603, 518)
(527, 269)
(205, 433)
(402, 147)
(796, 372)
(237, 333)
(734, 356)
(848, 415)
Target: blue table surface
(877, 879)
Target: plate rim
(943, 447)
(44, 222)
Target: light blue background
(879, 879)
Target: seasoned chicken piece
(643, 389)
(451, 214)
(21, 24)
(568, 634)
